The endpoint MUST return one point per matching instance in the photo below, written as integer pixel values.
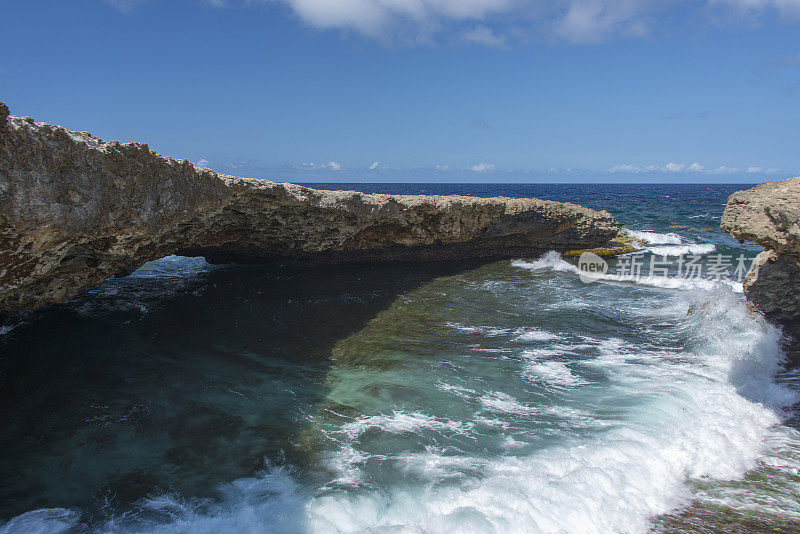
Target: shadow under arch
(176, 379)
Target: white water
(655, 238)
(670, 244)
(552, 261)
(708, 416)
(708, 411)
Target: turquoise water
(508, 396)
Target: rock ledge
(75, 210)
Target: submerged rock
(75, 210)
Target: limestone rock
(75, 210)
(768, 214)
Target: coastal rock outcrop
(75, 210)
(772, 285)
(769, 214)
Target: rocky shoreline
(769, 214)
(75, 210)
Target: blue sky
(423, 90)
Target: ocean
(504, 396)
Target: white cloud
(596, 20)
(482, 167)
(724, 169)
(489, 22)
(485, 36)
(625, 167)
(679, 167)
(442, 167)
(375, 17)
(333, 165)
(786, 8)
(375, 165)
(760, 169)
(674, 167)
(202, 163)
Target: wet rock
(769, 214)
(772, 286)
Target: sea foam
(706, 411)
(704, 416)
(552, 261)
(669, 244)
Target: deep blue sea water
(503, 396)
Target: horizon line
(519, 183)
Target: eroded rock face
(75, 210)
(772, 284)
(769, 214)
(773, 287)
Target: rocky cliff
(769, 214)
(75, 210)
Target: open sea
(457, 397)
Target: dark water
(477, 397)
(202, 370)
